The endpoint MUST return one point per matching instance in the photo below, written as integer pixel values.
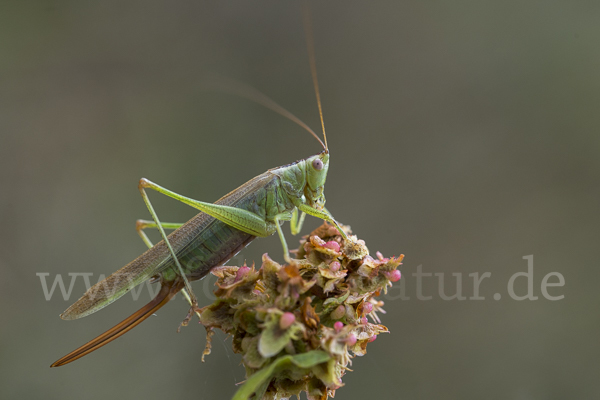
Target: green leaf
(259, 381)
(310, 359)
(273, 339)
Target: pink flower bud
(351, 339)
(241, 273)
(335, 266)
(367, 308)
(287, 319)
(393, 276)
(335, 246)
(338, 326)
(372, 338)
(364, 320)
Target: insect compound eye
(317, 164)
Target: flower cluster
(298, 325)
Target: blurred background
(463, 134)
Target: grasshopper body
(216, 234)
(206, 241)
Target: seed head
(300, 324)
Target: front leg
(323, 214)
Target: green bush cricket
(213, 236)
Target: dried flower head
(299, 325)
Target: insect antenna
(230, 86)
(310, 44)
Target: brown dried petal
(329, 274)
(354, 249)
(310, 317)
(321, 246)
(224, 271)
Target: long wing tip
(67, 316)
(70, 314)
